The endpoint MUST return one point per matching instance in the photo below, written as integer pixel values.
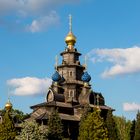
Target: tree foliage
(7, 128)
(93, 127)
(85, 112)
(55, 127)
(123, 127)
(17, 115)
(30, 131)
(111, 126)
(137, 127)
(132, 130)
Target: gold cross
(56, 61)
(70, 23)
(85, 62)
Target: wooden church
(69, 91)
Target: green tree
(16, 114)
(137, 127)
(55, 127)
(111, 126)
(85, 113)
(43, 129)
(93, 127)
(30, 131)
(123, 127)
(19, 115)
(7, 128)
(132, 130)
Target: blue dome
(56, 77)
(86, 77)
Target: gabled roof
(53, 103)
(95, 106)
(63, 116)
(69, 117)
(43, 116)
(38, 105)
(101, 107)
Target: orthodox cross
(56, 62)
(70, 23)
(8, 97)
(85, 62)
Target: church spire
(85, 62)
(70, 38)
(56, 62)
(70, 23)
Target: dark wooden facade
(69, 92)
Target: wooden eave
(69, 117)
(53, 103)
(101, 107)
(38, 105)
(71, 65)
(65, 52)
(43, 116)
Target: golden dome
(8, 105)
(70, 39)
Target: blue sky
(32, 33)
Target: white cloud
(31, 6)
(124, 61)
(34, 13)
(29, 86)
(43, 23)
(44, 5)
(131, 106)
(7, 6)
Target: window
(70, 73)
(71, 93)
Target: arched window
(70, 73)
(71, 93)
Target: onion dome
(56, 77)
(86, 77)
(70, 39)
(8, 105)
